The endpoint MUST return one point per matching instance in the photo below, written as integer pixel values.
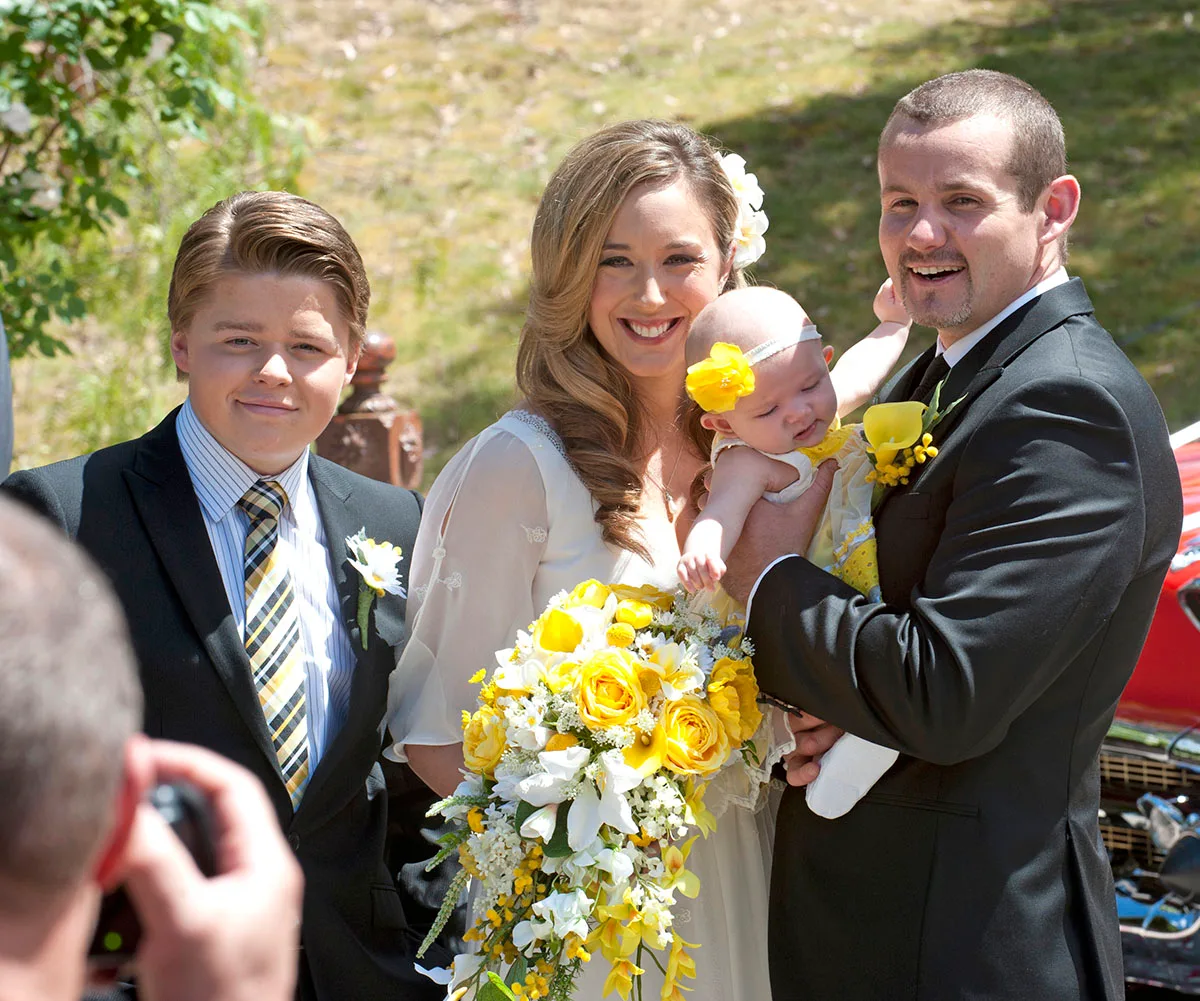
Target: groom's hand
(813, 738)
(774, 530)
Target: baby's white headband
(807, 332)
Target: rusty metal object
(371, 434)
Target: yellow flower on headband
(721, 379)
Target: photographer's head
(69, 705)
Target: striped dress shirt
(220, 479)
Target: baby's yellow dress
(844, 543)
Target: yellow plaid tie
(273, 635)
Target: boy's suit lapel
(161, 490)
(368, 687)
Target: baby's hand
(701, 564)
(700, 570)
(888, 307)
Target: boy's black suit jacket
(132, 506)
(1020, 569)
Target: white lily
(561, 768)
(604, 802)
(527, 932)
(616, 863)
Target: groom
(225, 541)
(1020, 568)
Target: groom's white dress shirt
(953, 355)
(220, 479)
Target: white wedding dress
(507, 525)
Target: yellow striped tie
(273, 635)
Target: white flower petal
(439, 974)
(583, 818)
(541, 823)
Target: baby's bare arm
(865, 365)
(740, 477)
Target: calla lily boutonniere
(379, 565)
(900, 437)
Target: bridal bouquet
(587, 763)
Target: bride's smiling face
(660, 267)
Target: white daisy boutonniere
(379, 565)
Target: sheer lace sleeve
(482, 535)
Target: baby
(758, 369)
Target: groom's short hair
(269, 232)
(1039, 149)
(69, 702)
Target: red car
(1150, 771)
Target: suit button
(294, 841)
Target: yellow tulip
(590, 592)
(890, 427)
(636, 613)
(561, 741)
(557, 631)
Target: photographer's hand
(234, 937)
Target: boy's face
(267, 358)
(793, 403)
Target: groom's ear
(1058, 206)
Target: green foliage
(87, 88)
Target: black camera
(118, 931)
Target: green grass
(435, 125)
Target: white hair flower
(752, 222)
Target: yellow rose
(609, 692)
(590, 592)
(636, 613)
(697, 743)
(557, 631)
(717, 382)
(483, 741)
(733, 694)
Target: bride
(634, 235)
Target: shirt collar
(954, 354)
(219, 477)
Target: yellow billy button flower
(609, 693)
(890, 427)
(638, 614)
(721, 379)
(483, 741)
(557, 631)
(697, 742)
(619, 634)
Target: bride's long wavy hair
(561, 368)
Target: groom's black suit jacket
(1020, 569)
(132, 506)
